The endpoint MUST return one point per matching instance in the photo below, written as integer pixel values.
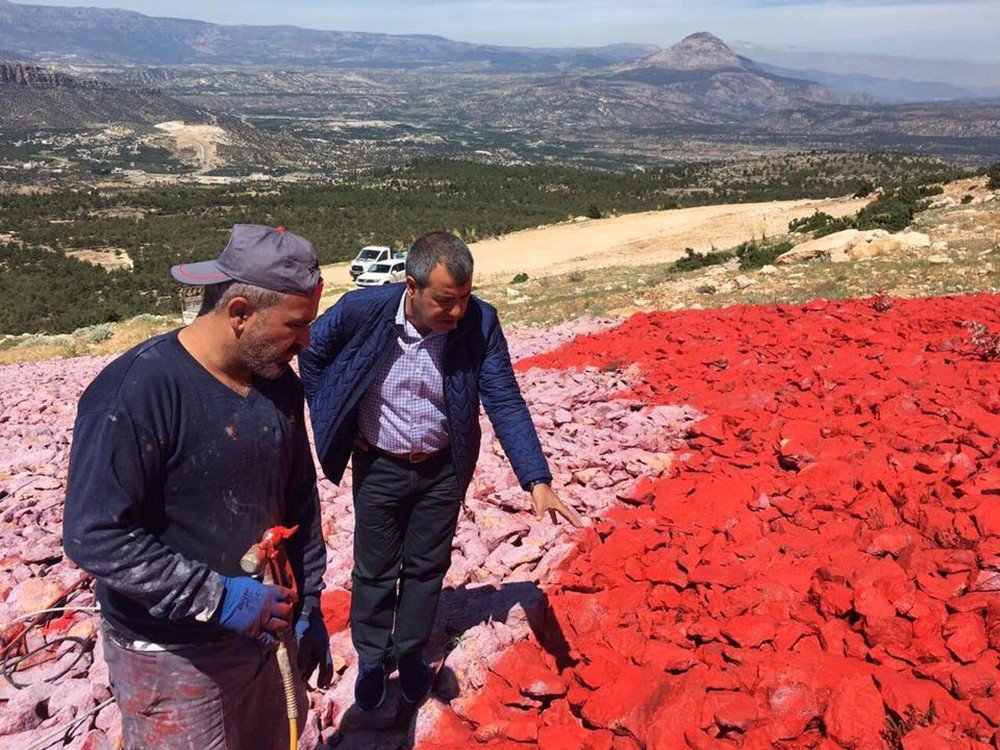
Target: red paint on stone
(336, 607)
(819, 568)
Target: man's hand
(546, 500)
(314, 646)
(255, 609)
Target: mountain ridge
(112, 36)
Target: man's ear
(239, 311)
(411, 285)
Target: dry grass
(93, 341)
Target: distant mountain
(698, 81)
(104, 36)
(884, 90)
(32, 97)
(980, 78)
(703, 68)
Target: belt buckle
(416, 458)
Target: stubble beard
(261, 357)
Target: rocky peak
(701, 51)
(19, 74)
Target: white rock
(913, 240)
(819, 248)
(943, 201)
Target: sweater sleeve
(508, 413)
(307, 549)
(115, 467)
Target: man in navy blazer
(394, 377)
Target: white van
(368, 257)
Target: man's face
(441, 304)
(274, 335)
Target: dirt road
(633, 239)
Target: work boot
(370, 687)
(414, 677)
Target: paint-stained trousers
(222, 695)
(404, 522)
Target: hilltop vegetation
(44, 290)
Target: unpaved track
(633, 239)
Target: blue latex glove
(255, 609)
(313, 645)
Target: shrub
(819, 224)
(993, 173)
(865, 188)
(757, 255)
(894, 210)
(692, 260)
(593, 212)
(520, 278)
(96, 334)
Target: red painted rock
(628, 704)
(854, 715)
(336, 607)
(731, 711)
(927, 738)
(677, 717)
(965, 634)
(977, 679)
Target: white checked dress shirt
(403, 410)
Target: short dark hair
(438, 247)
(217, 296)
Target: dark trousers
(404, 521)
(223, 695)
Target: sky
(934, 29)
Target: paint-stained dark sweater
(172, 477)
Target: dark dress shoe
(414, 678)
(370, 687)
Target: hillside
(32, 97)
(331, 103)
(47, 290)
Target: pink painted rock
(26, 710)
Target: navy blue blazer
(353, 338)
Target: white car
(368, 257)
(389, 272)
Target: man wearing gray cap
(186, 449)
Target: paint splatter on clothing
(172, 477)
